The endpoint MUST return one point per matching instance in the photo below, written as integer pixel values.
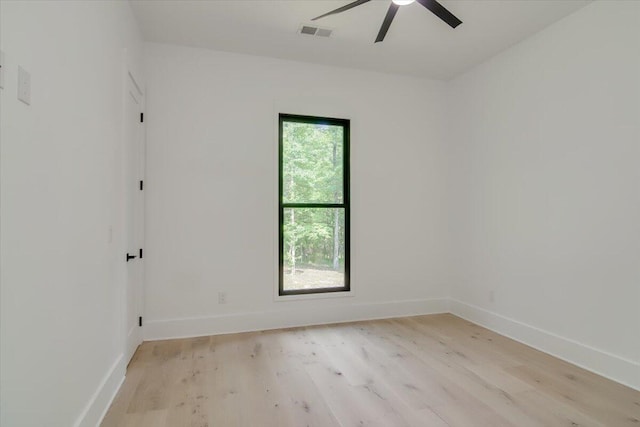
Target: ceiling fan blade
(343, 8)
(441, 12)
(391, 13)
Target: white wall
(546, 178)
(61, 287)
(212, 194)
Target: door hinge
(140, 321)
(141, 117)
(141, 185)
(140, 253)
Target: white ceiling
(418, 43)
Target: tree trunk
(336, 225)
(336, 240)
(292, 245)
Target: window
(313, 205)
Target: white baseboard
(259, 321)
(99, 403)
(603, 363)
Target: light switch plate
(2, 69)
(24, 86)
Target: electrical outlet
(222, 297)
(492, 296)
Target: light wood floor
(431, 371)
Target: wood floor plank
(354, 405)
(555, 413)
(187, 404)
(461, 395)
(298, 401)
(437, 371)
(607, 410)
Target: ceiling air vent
(323, 32)
(314, 31)
(308, 30)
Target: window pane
(313, 248)
(312, 157)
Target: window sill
(323, 295)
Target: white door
(134, 214)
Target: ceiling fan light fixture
(432, 5)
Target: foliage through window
(313, 204)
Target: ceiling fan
(439, 10)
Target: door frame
(131, 84)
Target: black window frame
(346, 202)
